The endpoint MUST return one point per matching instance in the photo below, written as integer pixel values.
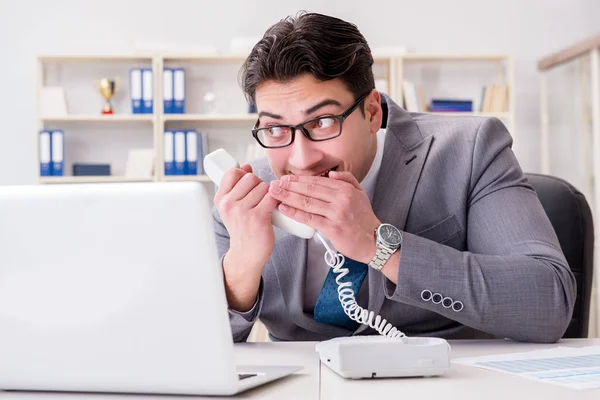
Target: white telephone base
(358, 357)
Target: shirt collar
(368, 184)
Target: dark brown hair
(323, 46)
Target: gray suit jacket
(474, 231)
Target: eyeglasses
(315, 130)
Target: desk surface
(314, 382)
(461, 382)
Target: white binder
(135, 90)
(179, 90)
(57, 141)
(169, 153)
(147, 91)
(45, 155)
(168, 91)
(180, 153)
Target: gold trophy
(107, 88)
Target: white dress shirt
(316, 268)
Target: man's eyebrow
(324, 103)
(269, 114)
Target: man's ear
(373, 111)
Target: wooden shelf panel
(454, 57)
(250, 118)
(90, 179)
(193, 178)
(474, 113)
(95, 57)
(101, 118)
(211, 58)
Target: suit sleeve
(241, 322)
(514, 281)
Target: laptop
(115, 287)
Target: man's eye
(325, 123)
(276, 131)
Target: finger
(345, 176)
(246, 167)
(317, 222)
(229, 180)
(244, 186)
(310, 188)
(305, 203)
(267, 204)
(255, 196)
(315, 180)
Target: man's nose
(304, 153)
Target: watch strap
(381, 256)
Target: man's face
(305, 98)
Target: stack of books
(451, 105)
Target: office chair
(571, 218)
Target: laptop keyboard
(244, 376)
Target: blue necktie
(328, 309)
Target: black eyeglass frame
(341, 118)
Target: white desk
(461, 382)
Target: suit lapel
(404, 156)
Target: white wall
(525, 29)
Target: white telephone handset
(219, 161)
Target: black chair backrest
(571, 218)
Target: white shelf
(118, 179)
(100, 118)
(194, 178)
(214, 58)
(251, 118)
(474, 113)
(90, 179)
(454, 57)
(95, 57)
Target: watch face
(390, 235)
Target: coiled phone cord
(348, 299)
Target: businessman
(441, 232)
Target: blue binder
(57, 144)
(45, 148)
(168, 91)
(179, 143)
(193, 152)
(135, 90)
(169, 155)
(178, 90)
(147, 91)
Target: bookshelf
(228, 126)
(490, 69)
